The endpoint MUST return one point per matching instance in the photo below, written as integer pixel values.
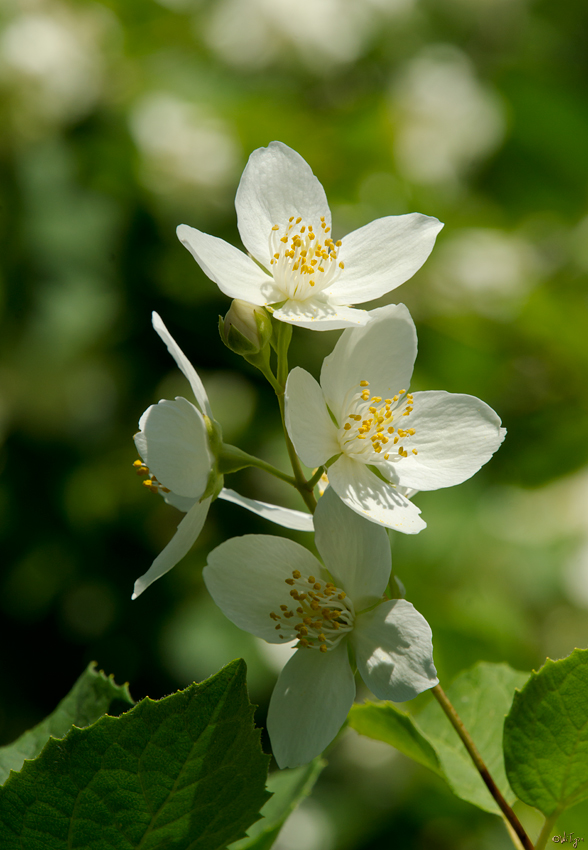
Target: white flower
(285, 224)
(388, 442)
(180, 463)
(278, 591)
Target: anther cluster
(322, 616)
(302, 264)
(151, 483)
(372, 431)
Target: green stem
(232, 459)
(301, 484)
(457, 724)
(547, 828)
(312, 482)
(284, 335)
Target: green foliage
(546, 736)
(481, 696)
(185, 771)
(90, 698)
(289, 788)
(384, 722)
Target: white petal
(382, 255)
(184, 364)
(174, 444)
(246, 577)
(233, 271)
(318, 314)
(180, 544)
(277, 183)
(310, 703)
(383, 353)
(286, 517)
(394, 651)
(309, 425)
(182, 503)
(369, 496)
(356, 552)
(455, 435)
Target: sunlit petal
(277, 183)
(309, 425)
(233, 271)
(372, 498)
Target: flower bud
(246, 329)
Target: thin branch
(457, 724)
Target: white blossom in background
(446, 120)
(285, 224)
(278, 591)
(383, 441)
(485, 269)
(257, 33)
(182, 144)
(178, 462)
(52, 59)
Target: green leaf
(482, 697)
(546, 736)
(289, 787)
(184, 772)
(384, 722)
(90, 698)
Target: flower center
(322, 616)
(372, 432)
(302, 265)
(151, 483)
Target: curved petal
(310, 702)
(277, 183)
(455, 435)
(355, 551)
(183, 363)
(309, 425)
(383, 254)
(319, 314)
(174, 444)
(383, 353)
(369, 496)
(286, 517)
(394, 651)
(235, 274)
(246, 577)
(180, 544)
(182, 503)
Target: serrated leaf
(546, 736)
(482, 697)
(184, 772)
(385, 722)
(90, 698)
(289, 788)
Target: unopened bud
(246, 328)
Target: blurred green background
(122, 119)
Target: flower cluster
(372, 442)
